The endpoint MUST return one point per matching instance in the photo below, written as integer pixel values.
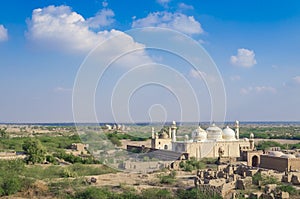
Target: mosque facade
(213, 142)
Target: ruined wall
(276, 163)
(294, 164)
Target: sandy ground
(142, 181)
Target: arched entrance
(255, 161)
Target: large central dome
(228, 134)
(214, 132)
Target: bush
(258, 177)
(11, 185)
(94, 193)
(288, 188)
(156, 193)
(195, 194)
(191, 164)
(168, 179)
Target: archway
(255, 161)
(166, 147)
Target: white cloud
(184, 6)
(60, 27)
(104, 4)
(177, 21)
(244, 58)
(163, 2)
(102, 19)
(258, 89)
(3, 33)
(296, 79)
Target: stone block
(270, 188)
(284, 195)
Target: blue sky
(255, 45)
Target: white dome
(199, 134)
(214, 132)
(276, 153)
(228, 134)
(287, 156)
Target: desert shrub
(288, 188)
(156, 193)
(168, 179)
(264, 179)
(10, 180)
(94, 193)
(195, 194)
(191, 164)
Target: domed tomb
(199, 134)
(228, 134)
(214, 132)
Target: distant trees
(263, 145)
(35, 150)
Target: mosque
(213, 142)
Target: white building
(213, 142)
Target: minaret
(153, 133)
(251, 140)
(173, 130)
(237, 129)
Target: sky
(250, 48)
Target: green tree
(35, 150)
(3, 133)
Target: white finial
(174, 123)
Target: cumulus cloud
(59, 26)
(102, 19)
(258, 89)
(3, 33)
(177, 21)
(244, 58)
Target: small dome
(214, 132)
(298, 155)
(276, 153)
(163, 135)
(199, 134)
(287, 156)
(228, 134)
